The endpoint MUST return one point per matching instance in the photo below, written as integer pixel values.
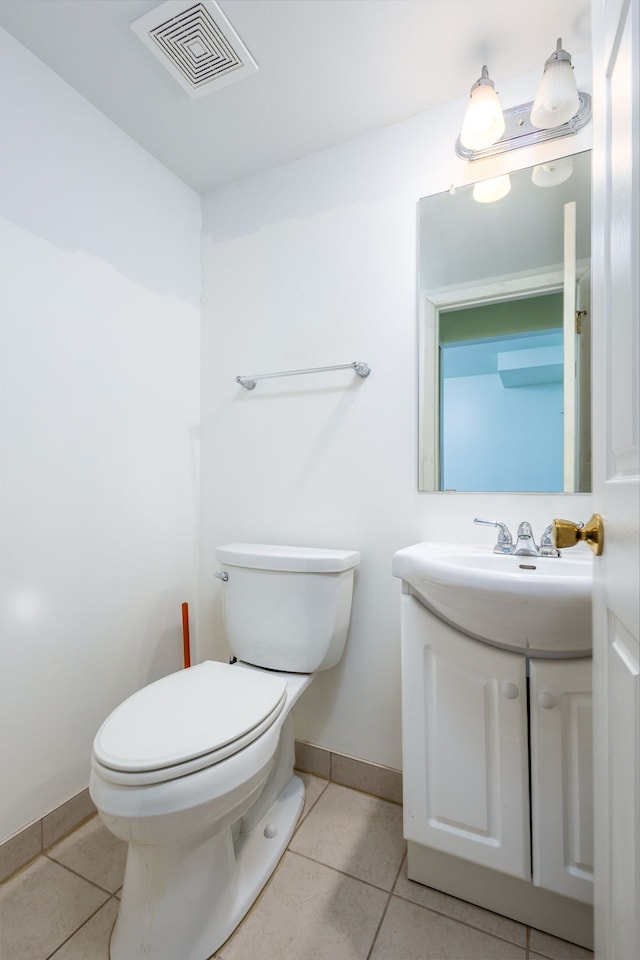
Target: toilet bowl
(195, 771)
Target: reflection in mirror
(504, 292)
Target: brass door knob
(566, 533)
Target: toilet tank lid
(264, 556)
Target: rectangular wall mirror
(504, 333)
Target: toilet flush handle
(222, 576)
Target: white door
(616, 494)
(464, 729)
(562, 776)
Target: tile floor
(339, 893)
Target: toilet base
(209, 888)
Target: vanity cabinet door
(561, 777)
(464, 708)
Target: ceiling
(329, 70)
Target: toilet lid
(187, 715)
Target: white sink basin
(536, 605)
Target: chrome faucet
(504, 543)
(547, 546)
(525, 545)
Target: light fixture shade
(552, 173)
(488, 191)
(557, 98)
(483, 122)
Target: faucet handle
(547, 547)
(504, 543)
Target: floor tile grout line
(321, 863)
(379, 927)
(391, 893)
(386, 906)
(399, 870)
(77, 929)
(305, 815)
(110, 893)
(311, 860)
(464, 923)
(365, 793)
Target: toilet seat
(186, 722)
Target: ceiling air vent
(196, 43)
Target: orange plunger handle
(186, 648)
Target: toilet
(195, 771)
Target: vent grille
(196, 43)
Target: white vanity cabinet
(466, 789)
(497, 772)
(562, 776)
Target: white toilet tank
(287, 608)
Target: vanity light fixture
(558, 110)
(557, 98)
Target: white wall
(315, 263)
(99, 309)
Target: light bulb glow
(488, 191)
(483, 122)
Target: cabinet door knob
(510, 691)
(546, 700)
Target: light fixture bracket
(520, 132)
